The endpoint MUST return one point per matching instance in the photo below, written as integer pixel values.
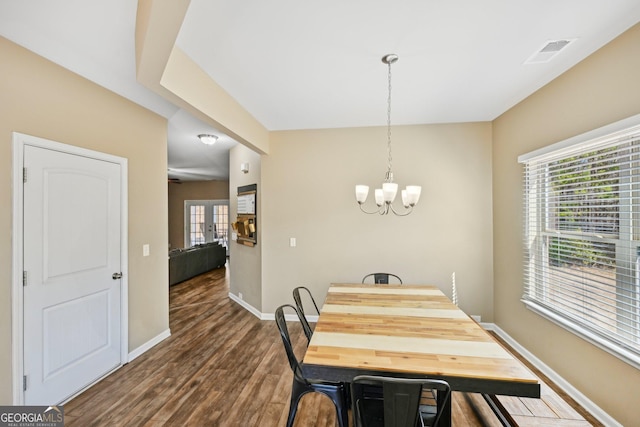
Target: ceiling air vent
(548, 51)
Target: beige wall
(308, 193)
(602, 89)
(39, 98)
(245, 262)
(190, 190)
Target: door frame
(17, 298)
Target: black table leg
(503, 416)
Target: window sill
(615, 350)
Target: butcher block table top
(410, 331)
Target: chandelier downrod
(389, 59)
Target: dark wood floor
(220, 367)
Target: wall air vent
(548, 51)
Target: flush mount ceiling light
(385, 196)
(208, 139)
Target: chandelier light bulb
(362, 191)
(413, 194)
(389, 190)
(379, 197)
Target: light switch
(292, 242)
(145, 250)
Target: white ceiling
(302, 65)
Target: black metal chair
(381, 278)
(298, 299)
(399, 405)
(337, 392)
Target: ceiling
(310, 65)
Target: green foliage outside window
(584, 202)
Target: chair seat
(321, 383)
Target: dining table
(411, 331)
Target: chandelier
(385, 196)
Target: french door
(206, 221)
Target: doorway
(206, 221)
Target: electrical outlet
(145, 250)
(240, 295)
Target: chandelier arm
(385, 209)
(407, 211)
(368, 213)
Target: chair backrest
(382, 278)
(401, 400)
(298, 299)
(281, 322)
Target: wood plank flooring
(223, 367)
(554, 408)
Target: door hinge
(24, 175)
(24, 278)
(24, 383)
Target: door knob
(116, 276)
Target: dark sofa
(187, 263)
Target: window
(196, 225)
(582, 236)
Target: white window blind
(582, 239)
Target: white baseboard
(580, 398)
(251, 309)
(149, 344)
(268, 316)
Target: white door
(71, 251)
(206, 221)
